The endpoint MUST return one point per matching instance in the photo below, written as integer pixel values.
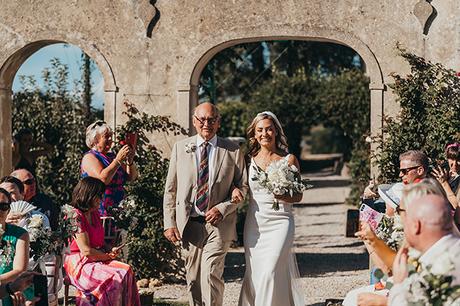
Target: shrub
(429, 98)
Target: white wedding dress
(272, 276)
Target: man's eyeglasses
(399, 210)
(98, 123)
(210, 120)
(4, 206)
(29, 181)
(406, 170)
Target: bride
(271, 276)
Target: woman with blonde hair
(271, 270)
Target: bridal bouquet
(280, 179)
(432, 285)
(390, 230)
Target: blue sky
(69, 55)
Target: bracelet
(8, 289)
(118, 162)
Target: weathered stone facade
(160, 73)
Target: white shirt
(450, 244)
(211, 161)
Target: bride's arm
(297, 197)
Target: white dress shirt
(211, 161)
(448, 244)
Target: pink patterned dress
(100, 283)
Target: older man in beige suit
(198, 206)
(428, 229)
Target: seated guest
(450, 178)
(382, 253)
(23, 155)
(92, 268)
(15, 248)
(14, 186)
(428, 229)
(43, 202)
(413, 167)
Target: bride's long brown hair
(280, 138)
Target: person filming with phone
(112, 169)
(447, 174)
(91, 265)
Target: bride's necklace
(265, 161)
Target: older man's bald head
(432, 211)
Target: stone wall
(153, 55)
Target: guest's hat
(391, 193)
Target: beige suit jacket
(181, 185)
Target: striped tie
(202, 196)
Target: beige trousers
(204, 263)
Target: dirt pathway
(330, 264)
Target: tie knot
(205, 145)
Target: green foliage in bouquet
(429, 98)
(141, 213)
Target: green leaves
(429, 98)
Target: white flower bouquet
(280, 178)
(432, 285)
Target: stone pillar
(377, 102)
(187, 99)
(110, 107)
(5, 126)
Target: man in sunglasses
(43, 202)
(413, 167)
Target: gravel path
(330, 264)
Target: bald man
(428, 229)
(198, 207)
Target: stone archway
(8, 72)
(187, 91)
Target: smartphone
(352, 223)
(131, 140)
(41, 289)
(369, 215)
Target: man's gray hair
(215, 110)
(416, 156)
(94, 130)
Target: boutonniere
(190, 147)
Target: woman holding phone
(91, 265)
(112, 169)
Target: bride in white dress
(271, 276)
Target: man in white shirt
(428, 229)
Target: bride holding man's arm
(271, 276)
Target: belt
(199, 219)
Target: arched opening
(9, 70)
(314, 248)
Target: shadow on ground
(310, 264)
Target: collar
(212, 141)
(436, 249)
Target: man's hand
(172, 234)
(213, 216)
(371, 299)
(400, 272)
(368, 191)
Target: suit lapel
(220, 154)
(192, 163)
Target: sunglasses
(406, 170)
(399, 210)
(4, 206)
(98, 123)
(29, 181)
(210, 121)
